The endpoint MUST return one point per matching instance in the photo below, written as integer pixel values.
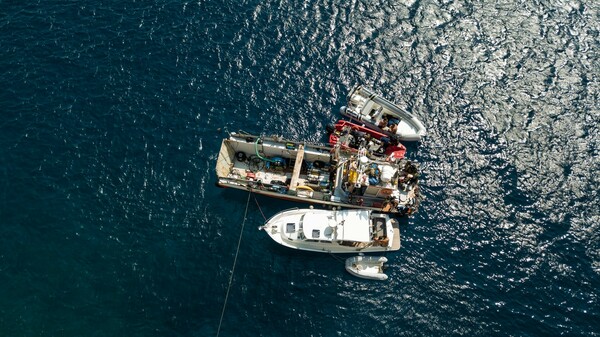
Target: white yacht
(334, 231)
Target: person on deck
(393, 125)
(383, 123)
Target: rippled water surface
(113, 113)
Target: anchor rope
(337, 258)
(234, 263)
(261, 212)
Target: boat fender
(240, 156)
(352, 177)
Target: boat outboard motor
(357, 134)
(330, 128)
(402, 209)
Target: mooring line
(338, 258)
(234, 263)
(261, 212)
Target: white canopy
(350, 226)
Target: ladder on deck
(297, 167)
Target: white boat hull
(340, 231)
(368, 108)
(367, 267)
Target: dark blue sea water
(113, 113)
